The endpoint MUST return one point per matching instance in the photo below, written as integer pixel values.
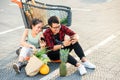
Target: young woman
(30, 42)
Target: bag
(34, 12)
(33, 66)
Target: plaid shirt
(49, 37)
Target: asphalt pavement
(97, 23)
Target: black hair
(35, 22)
(53, 19)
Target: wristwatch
(62, 46)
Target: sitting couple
(53, 35)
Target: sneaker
(89, 65)
(16, 67)
(82, 70)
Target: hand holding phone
(42, 42)
(42, 39)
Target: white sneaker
(89, 65)
(82, 70)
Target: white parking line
(12, 4)
(10, 30)
(81, 9)
(100, 44)
(109, 0)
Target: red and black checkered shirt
(49, 37)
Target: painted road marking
(109, 0)
(78, 9)
(100, 44)
(12, 4)
(10, 30)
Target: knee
(77, 64)
(76, 43)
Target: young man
(55, 40)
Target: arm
(66, 42)
(57, 47)
(42, 41)
(68, 31)
(23, 40)
(50, 42)
(73, 36)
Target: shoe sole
(83, 74)
(16, 68)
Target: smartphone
(42, 39)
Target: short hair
(53, 19)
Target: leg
(55, 55)
(72, 61)
(78, 50)
(23, 54)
